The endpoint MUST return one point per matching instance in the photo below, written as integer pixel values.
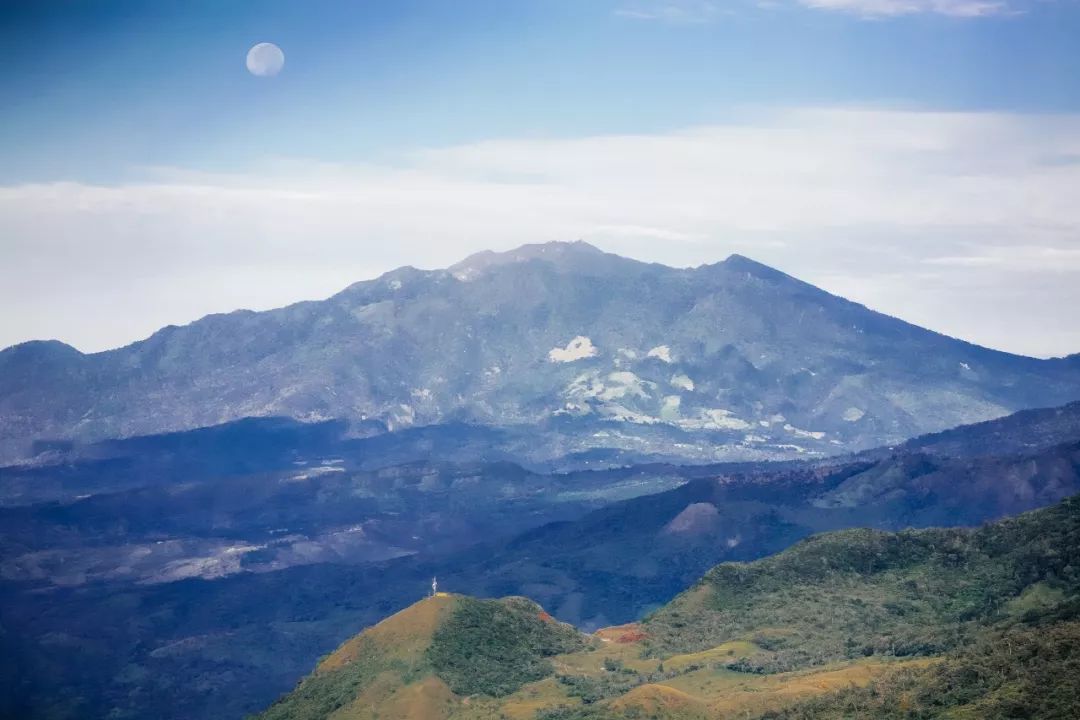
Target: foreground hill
(930, 623)
(424, 660)
(735, 356)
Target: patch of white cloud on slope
(579, 348)
(615, 386)
(660, 352)
(682, 381)
(713, 419)
(854, 414)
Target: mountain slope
(1022, 672)
(619, 561)
(897, 593)
(834, 612)
(737, 354)
(1026, 431)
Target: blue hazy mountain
(733, 360)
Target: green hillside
(951, 623)
(1022, 672)
(860, 592)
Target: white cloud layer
(894, 8)
(963, 222)
(701, 11)
(671, 11)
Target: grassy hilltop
(954, 623)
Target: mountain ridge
(734, 355)
(492, 258)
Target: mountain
(620, 561)
(264, 494)
(189, 522)
(733, 360)
(171, 592)
(1025, 431)
(945, 623)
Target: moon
(265, 60)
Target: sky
(919, 156)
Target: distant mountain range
(620, 561)
(601, 354)
(855, 624)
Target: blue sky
(915, 155)
(97, 89)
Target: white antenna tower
(434, 587)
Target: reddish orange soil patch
(632, 636)
(625, 634)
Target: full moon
(265, 60)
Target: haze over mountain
(608, 351)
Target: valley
(95, 621)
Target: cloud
(694, 12)
(895, 8)
(963, 222)
(675, 12)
